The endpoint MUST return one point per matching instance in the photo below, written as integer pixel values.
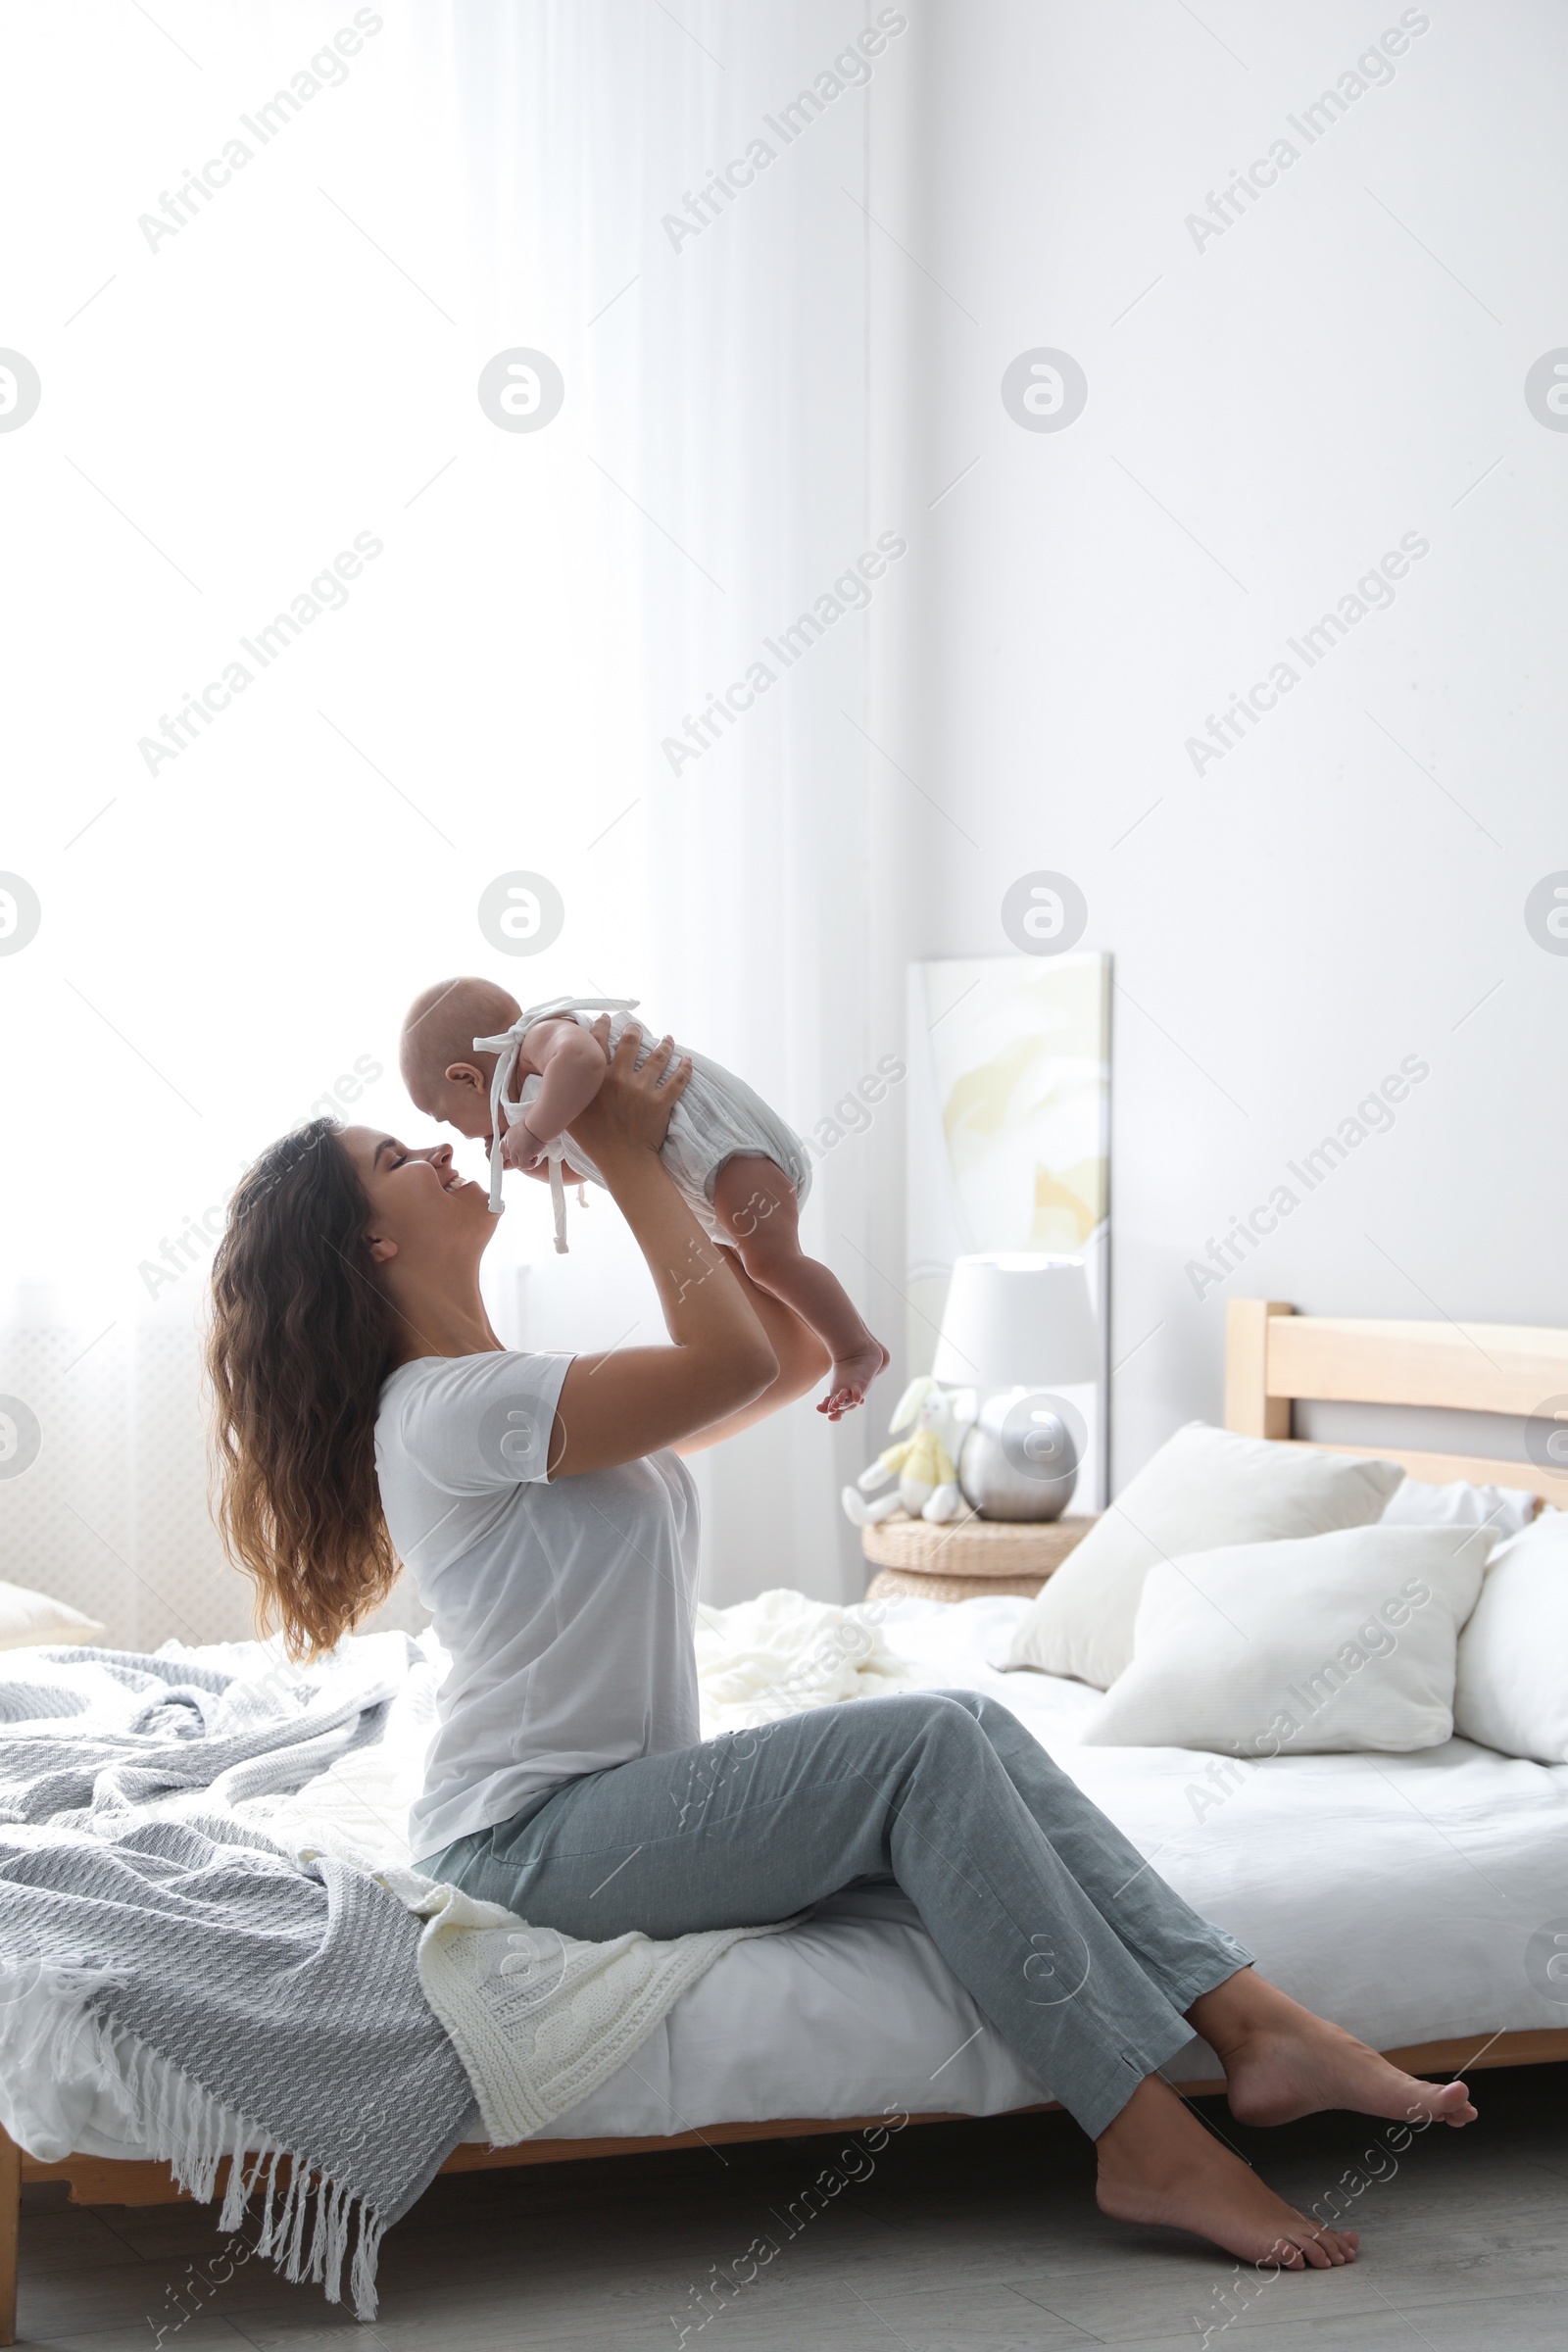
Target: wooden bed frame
(1272, 1357)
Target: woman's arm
(803, 1361)
(616, 1407)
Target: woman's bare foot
(1158, 2164)
(852, 1376)
(1275, 2077)
(1281, 2061)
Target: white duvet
(1412, 1898)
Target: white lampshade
(1017, 1320)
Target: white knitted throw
(538, 2018)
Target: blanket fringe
(193, 2131)
(361, 2284)
(240, 2184)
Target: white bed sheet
(1398, 1894)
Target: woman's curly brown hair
(300, 1343)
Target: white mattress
(1398, 1895)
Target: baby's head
(444, 1077)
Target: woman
(368, 1413)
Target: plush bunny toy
(924, 1465)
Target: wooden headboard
(1273, 1356)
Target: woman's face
(434, 1220)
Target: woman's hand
(631, 1111)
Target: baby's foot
(853, 1375)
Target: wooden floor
(980, 2236)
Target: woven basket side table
(917, 1560)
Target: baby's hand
(521, 1148)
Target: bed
(1443, 1862)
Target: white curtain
(230, 929)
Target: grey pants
(1079, 1955)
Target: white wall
(1343, 366)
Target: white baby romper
(717, 1118)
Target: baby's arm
(570, 1066)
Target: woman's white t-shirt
(567, 1609)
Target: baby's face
(466, 1108)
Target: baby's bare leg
(753, 1202)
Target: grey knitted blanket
(286, 1995)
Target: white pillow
(29, 1618)
(1512, 1690)
(1326, 1642)
(1504, 1509)
(1204, 1487)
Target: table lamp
(1019, 1326)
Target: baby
(472, 1058)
